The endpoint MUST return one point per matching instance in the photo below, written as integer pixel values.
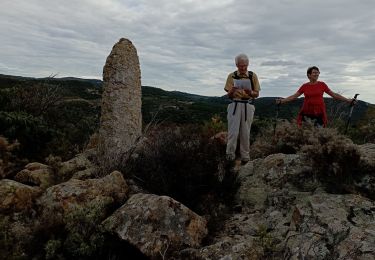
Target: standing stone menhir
(121, 118)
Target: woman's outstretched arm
(288, 99)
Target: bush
(36, 99)
(333, 157)
(364, 133)
(183, 163)
(288, 138)
(214, 126)
(37, 115)
(76, 236)
(8, 161)
(84, 238)
(32, 133)
(15, 235)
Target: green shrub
(266, 241)
(14, 236)
(32, 133)
(8, 161)
(183, 163)
(288, 138)
(52, 248)
(35, 99)
(74, 236)
(43, 121)
(334, 157)
(6, 240)
(364, 133)
(214, 126)
(77, 235)
(84, 238)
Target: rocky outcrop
(157, 225)
(328, 226)
(283, 212)
(16, 197)
(121, 118)
(262, 177)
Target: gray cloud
(189, 45)
(278, 63)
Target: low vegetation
(179, 157)
(184, 163)
(334, 158)
(58, 116)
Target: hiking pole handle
(354, 99)
(352, 104)
(278, 108)
(351, 111)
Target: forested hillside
(58, 115)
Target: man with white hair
(242, 87)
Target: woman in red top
(313, 107)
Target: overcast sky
(190, 45)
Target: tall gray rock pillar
(121, 118)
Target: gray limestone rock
(61, 200)
(157, 225)
(36, 174)
(16, 197)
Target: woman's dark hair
(310, 69)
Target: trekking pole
(276, 117)
(350, 112)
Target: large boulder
(16, 197)
(157, 225)
(62, 199)
(36, 174)
(80, 163)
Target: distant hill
(180, 107)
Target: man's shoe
(230, 160)
(244, 161)
(230, 157)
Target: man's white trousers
(239, 125)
